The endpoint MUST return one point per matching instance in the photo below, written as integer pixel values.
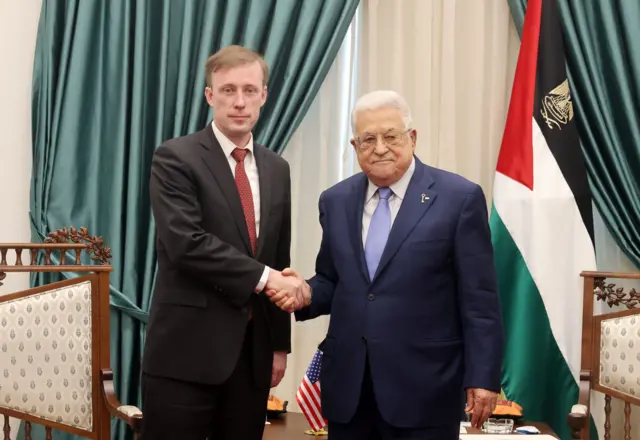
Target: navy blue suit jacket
(429, 321)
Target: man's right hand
(289, 289)
(285, 300)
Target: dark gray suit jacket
(206, 274)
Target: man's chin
(381, 179)
(239, 128)
(383, 170)
(241, 125)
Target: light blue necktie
(378, 232)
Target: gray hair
(381, 99)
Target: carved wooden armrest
(578, 418)
(131, 415)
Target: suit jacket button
(371, 297)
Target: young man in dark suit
(222, 205)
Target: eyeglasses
(391, 138)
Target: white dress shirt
(251, 168)
(398, 191)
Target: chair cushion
(620, 354)
(46, 342)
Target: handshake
(288, 290)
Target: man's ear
(264, 96)
(413, 134)
(208, 94)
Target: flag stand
(322, 431)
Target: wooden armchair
(610, 361)
(54, 340)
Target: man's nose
(380, 148)
(239, 101)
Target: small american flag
(308, 395)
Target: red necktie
(246, 197)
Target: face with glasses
(236, 96)
(383, 145)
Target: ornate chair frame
(104, 401)
(595, 284)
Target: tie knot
(384, 193)
(239, 154)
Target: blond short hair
(234, 56)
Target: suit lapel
(218, 164)
(264, 177)
(354, 219)
(417, 201)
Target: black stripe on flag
(553, 110)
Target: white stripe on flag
(309, 401)
(310, 412)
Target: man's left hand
(279, 366)
(480, 404)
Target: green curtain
(114, 79)
(602, 42)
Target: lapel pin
(424, 197)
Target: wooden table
(292, 427)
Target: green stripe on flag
(534, 373)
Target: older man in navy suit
(405, 269)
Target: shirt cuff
(263, 280)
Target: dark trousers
(234, 410)
(367, 423)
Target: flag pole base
(316, 433)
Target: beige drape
(18, 28)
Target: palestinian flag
(542, 228)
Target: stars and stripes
(308, 395)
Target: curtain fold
(306, 40)
(113, 80)
(603, 64)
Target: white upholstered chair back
(620, 354)
(54, 340)
(46, 350)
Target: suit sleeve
(324, 283)
(280, 320)
(178, 218)
(478, 295)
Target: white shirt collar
(399, 188)
(227, 145)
